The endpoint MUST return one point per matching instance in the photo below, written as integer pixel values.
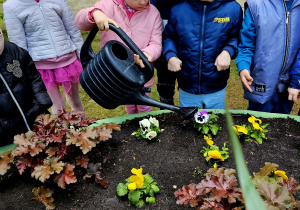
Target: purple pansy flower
(201, 117)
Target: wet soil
(173, 160)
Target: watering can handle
(87, 52)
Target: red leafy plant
(55, 148)
(275, 188)
(217, 191)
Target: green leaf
(122, 189)
(149, 178)
(252, 199)
(134, 196)
(205, 130)
(146, 190)
(155, 188)
(259, 140)
(151, 193)
(139, 204)
(214, 129)
(150, 200)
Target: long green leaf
(252, 199)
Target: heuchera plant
(253, 131)
(205, 122)
(276, 188)
(149, 128)
(57, 146)
(137, 186)
(213, 151)
(217, 191)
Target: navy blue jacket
(197, 32)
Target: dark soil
(173, 161)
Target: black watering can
(111, 77)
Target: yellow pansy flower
(215, 154)
(281, 174)
(241, 129)
(235, 130)
(257, 127)
(205, 154)
(253, 120)
(208, 140)
(132, 186)
(138, 178)
(215, 165)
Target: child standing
(23, 94)
(165, 79)
(269, 43)
(200, 39)
(140, 21)
(46, 29)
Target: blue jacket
(269, 46)
(295, 74)
(197, 32)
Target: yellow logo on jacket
(222, 20)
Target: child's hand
(139, 62)
(102, 21)
(246, 79)
(223, 61)
(174, 64)
(294, 94)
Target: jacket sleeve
(295, 74)
(72, 30)
(82, 17)
(154, 47)
(36, 85)
(246, 46)
(233, 39)
(170, 38)
(14, 27)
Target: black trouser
(165, 81)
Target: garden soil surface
(173, 160)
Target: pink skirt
(63, 76)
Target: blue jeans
(279, 103)
(206, 101)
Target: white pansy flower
(154, 121)
(151, 135)
(145, 125)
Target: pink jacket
(144, 28)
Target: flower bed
(173, 160)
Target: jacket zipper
(288, 34)
(201, 46)
(48, 29)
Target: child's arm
(170, 38)
(230, 50)
(102, 20)
(71, 28)
(15, 29)
(246, 49)
(154, 48)
(294, 87)
(84, 18)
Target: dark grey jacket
(19, 72)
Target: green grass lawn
(234, 94)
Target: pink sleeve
(154, 47)
(82, 18)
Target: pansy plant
(138, 186)
(212, 152)
(205, 122)
(149, 128)
(253, 131)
